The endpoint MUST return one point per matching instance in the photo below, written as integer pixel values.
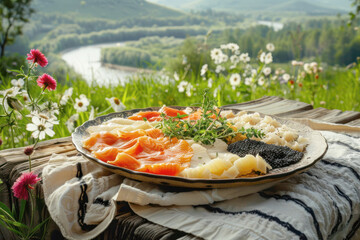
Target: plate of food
(199, 147)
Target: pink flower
(46, 81)
(37, 57)
(20, 187)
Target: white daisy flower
(247, 81)
(270, 47)
(25, 96)
(268, 58)
(296, 63)
(182, 85)
(224, 58)
(11, 92)
(45, 116)
(40, 128)
(253, 72)
(234, 59)
(67, 95)
(262, 57)
(219, 69)
(18, 83)
(261, 81)
(307, 68)
(204, 69)
(116, 104)
(81, 103)
(189, 87)
(244, 57)
(233, 47)
(70, 123)
(224, 46)
(267, 71)
(314, 65)
(235, 79)
(210, 83)
(216, 55)
(286, 77)
(176, 76)
(215, 92)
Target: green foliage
(127, 56)
(107, 9)
(13, 15)
(148, 52)
(63, 42)
(270, 8)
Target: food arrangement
(201, 143)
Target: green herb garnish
(207, 129)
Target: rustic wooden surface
(127, 225)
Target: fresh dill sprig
(207, 129)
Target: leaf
(37, 227)
(12, 229)
(13, 222)
(22, 209)
(6, 210)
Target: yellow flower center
(116, 101)
(41, 128)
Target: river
(86, 61)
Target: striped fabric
(322, 203)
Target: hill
(245, 6)
(109, 9)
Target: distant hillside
(110, 9)
(243, 6)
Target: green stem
(43, 90)
(37, 140)
(29, 163)
(27, 82)
(32, 210)
(12, 136)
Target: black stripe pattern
(83, 200)
(298, 202)
(261, 214)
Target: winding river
(86, 61)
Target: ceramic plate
(315, 150)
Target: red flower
(20, 187)
(37, 57)
(291, 82)
(300, 85)
(46, 81)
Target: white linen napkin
(322, 203)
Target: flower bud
(14, 103)
(1, 142)
(28, 151)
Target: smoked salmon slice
(100, 140)
(141, 115)
(141, 150)
(107, 154)
(172, 112)
(171, 169)
(126, 161)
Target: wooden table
(126, 224)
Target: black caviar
(275, 156)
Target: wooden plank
(332, 116)
(354, 122)
(253, 105)
(252, 102)
(11, 157)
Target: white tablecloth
(322, 203)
